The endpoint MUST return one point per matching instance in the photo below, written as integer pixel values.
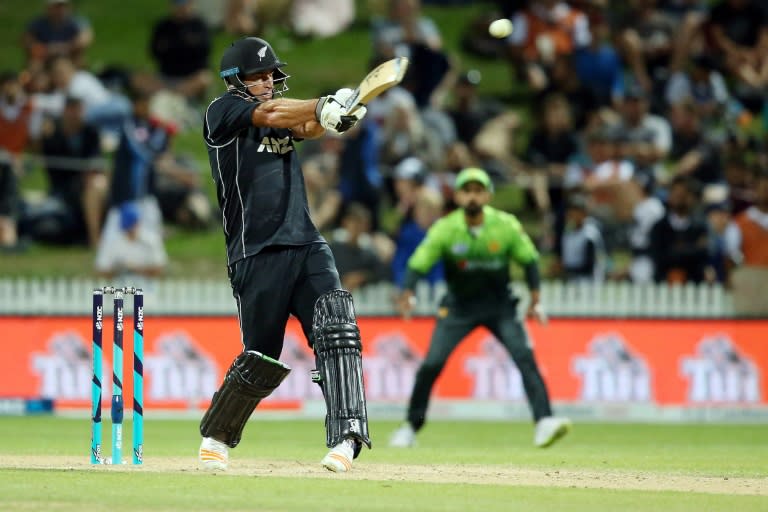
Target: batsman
(278, 263)
(477, 243)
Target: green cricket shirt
(477, 260)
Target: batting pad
(338, 353)
(252, 377)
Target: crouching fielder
(277, 261)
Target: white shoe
(550, 429)
(213, 455)
(403, 437)
(339, 459)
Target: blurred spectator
(9, 199)
(469, 111)
(58, 32)
(550, 148)
(354, 249)
(607, 179)
(723, 241)
(406, 33)
(702, 86)
(105, 109)
(409, 176)
(142, 141)
(738, 175)
(134, 250)
(647, 38)
(20, 120)
(427, 208)
(179, 192)
(582, 255)
(77, 184)
(740, 36)
(598, 65)
(321, 176)
(543, 31)
(679, 244)
(584, 102)
(360, 177)
(404, 133)
(647, 212)
(693, 153)
(309, 18)
(646, 138)
(181, 46)
(751, 280)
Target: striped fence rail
(59, 296)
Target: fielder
(477, 243)
(277, 261)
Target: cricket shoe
(339, 459)
(403, 437)
(549, 430)
(213, 455)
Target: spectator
(179, 192)
(360, 177)
(739, 178)
(751, 280)
(427, 208)
(9, 199)
(409, 177)
(545, 30)
(679, 244)
(20, 120)
(584, 102)
(354, 250)
(321, 176)
(702, 86)
(406, 33)
(309, 18)
(404, 133)
(181, 46)
(646, 138)
(582, 254)
(103, 108)
(57, 33)
(550, 149)
(469, 112)
(693, 153)
(723, 241)
(135, 250)
(740, 35)
(647, 41)
(142, 141)
(647, 212)
(598, 65)
(76, 180)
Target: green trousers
(454, 322)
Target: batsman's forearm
(284, 113)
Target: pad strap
(252, 377)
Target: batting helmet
(248, 56)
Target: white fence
(30, 296)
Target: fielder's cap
(473, 174)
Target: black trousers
(276, 283)
(454, 322)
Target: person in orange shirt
(545, 30)
(750, 280)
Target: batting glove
(331, 115)
(342, 96)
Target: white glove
(329, 112)
(342, 95)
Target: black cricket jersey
(259, 183)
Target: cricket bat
(383, 77)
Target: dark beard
(473, 210)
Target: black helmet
(248, 56)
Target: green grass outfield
(456, 467)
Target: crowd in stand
(641, 132)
